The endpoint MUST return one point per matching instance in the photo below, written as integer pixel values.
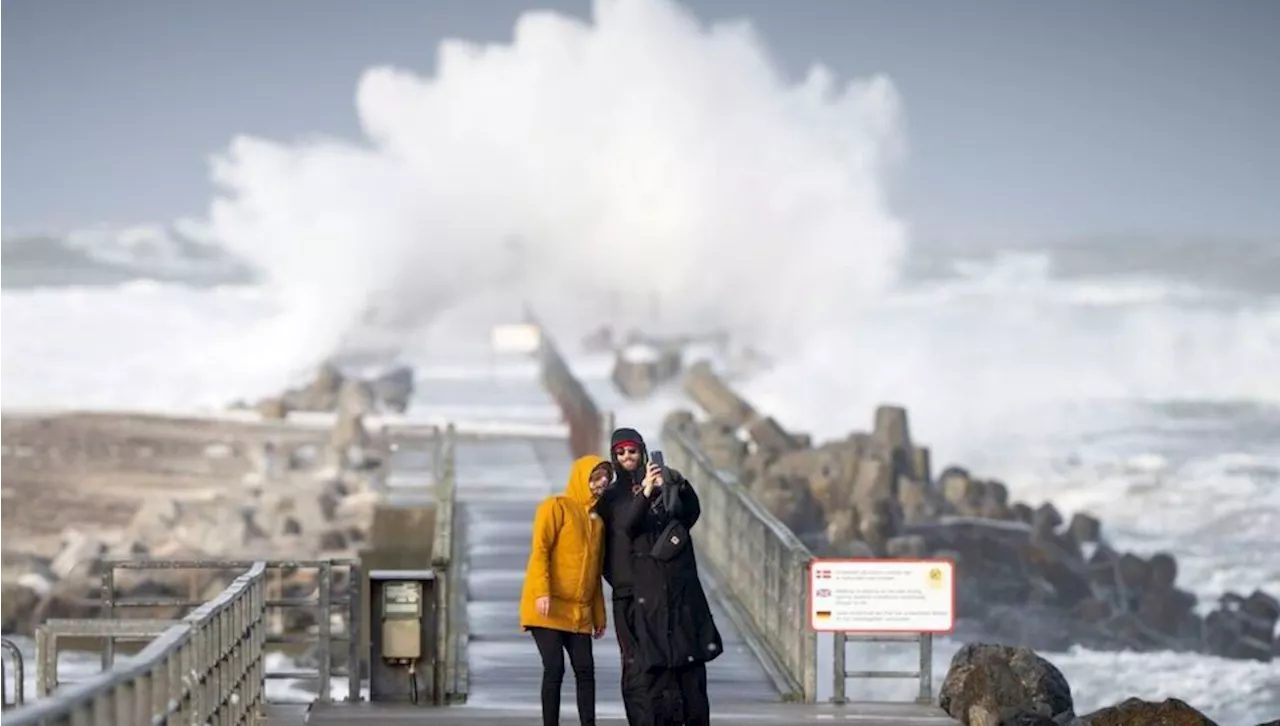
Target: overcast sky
(1043, 120)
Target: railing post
(19, 678)
(926, 669)
(839, 669)
(108, 612)
(323, 580)
(354, 633)
(46, 661)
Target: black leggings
(551, 644)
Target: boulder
(715, 397)
(356, 397)
(275, 408)
(769, 436)
(993, 685)
(1135, 711)
(599, 340)
(79, 552)
(321, 394)
(17, 601)
(1085, 529)
(639, 369)
(350, 445)
(789, 499)
(394, 388)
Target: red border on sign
(818, 561)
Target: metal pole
(108, 612)
(926, 669)
(354, 633)
(19, 679)
(840, 673)
(323, 581)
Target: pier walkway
(210, 666)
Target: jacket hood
(579, 489)
(622, 436)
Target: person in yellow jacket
(562, 603)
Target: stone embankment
(1027, 576)
(996, 685)
(332, 391)
(168, 488)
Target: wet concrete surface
(728, 713)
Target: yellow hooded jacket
(567, 556)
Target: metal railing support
(924, 673)
(19, 676)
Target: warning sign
(882, 596)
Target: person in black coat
(630, 459)
(676, 634)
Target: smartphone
(656, 458)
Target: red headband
(621, 444)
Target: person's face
(600, 477)
(628, 457)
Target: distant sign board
(882, 596)
(515, 338)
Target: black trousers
(634, 693)
(551, 646)
(678, 696)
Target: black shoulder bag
(675, 536)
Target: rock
(394, 388)
(155, 515)
(891, 438)
(357, 508)
(715, 397)
(789, 500)
(1135, 712)
(876, 501)
(995, 684)
(919, 501)
(356, 397)
(842, 527)
(911, 547)
(350, 445)
(1243, 627)
(599, 340)
(961, 492)
(1162, 570)
(1084, 529)
(274, 408)
(821, 470)
(853, 549)
(319, 395)
(79, 554)
(332, 540)
(769, 436)
(681, 421)
(639, 369)
(1046, 520)
(921, 463)
(1021, 512)
(17, 601)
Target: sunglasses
(626, 450)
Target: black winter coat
(674, 626)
